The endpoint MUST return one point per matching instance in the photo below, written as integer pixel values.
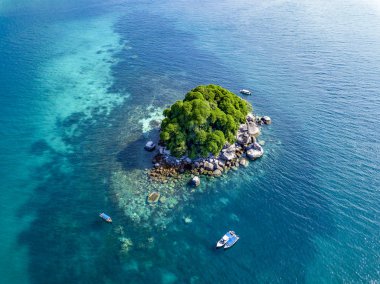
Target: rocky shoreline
(232, 156)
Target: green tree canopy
(203, 122)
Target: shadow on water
(64, 242)
(134, 156)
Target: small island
(207, 133)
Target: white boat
(231, 241)
(228, 240)
(223, 240)
(245, 92)
(105, 217)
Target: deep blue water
(80, 79)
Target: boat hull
(105, 217)
(231, 242)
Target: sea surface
(82, 87)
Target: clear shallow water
(78, 81)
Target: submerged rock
(126, 245)
(187, 220)
(162, 199)
(243, 162)
(195, 181)
(149, 146)
(153, 197)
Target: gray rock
(244, 139)
(161, 150)
(149, 146)
(208, 166)
(217, 173)
(228, 156)
(221, 163)
(253, 130)
(250, 117)
(229, 153)
(255, 153)
(195, 181)
(243, 128)
(266, 120)
(243, 162)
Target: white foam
(154, 114)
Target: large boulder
(255, 153)
(153, 197)
(195, 181)
(266, 120)
(243, 128)
(253, 130)
(250, 117)
(208, 166)
(229, 153)
(228, 156)
(243, 139)
(149, 146)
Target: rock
(243, 162)
(195, 181)
(229, 153)
(228, 156)
(149, 146)
(230, 148)
(255, 153)
(243, 128)
(253, 130)
(162, 199)
(156, 165)
(266, 120)
(153, 197)
(221, 163)
(262, 142)
(188, 160)
(217, 173)
(208, 166)
(187, 220)
(161, 150)
(244, 139)
(166, 152)
(250, 117)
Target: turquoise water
(81, 82)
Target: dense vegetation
(203, 122)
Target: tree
(203, 122)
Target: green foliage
(203, 122)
